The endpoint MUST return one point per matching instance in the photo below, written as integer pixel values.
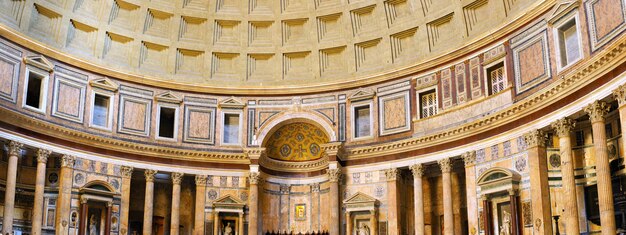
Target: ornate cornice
(254, 153)
(254, 177)
(417, 170)
(201, 180)
(126, 171)
(177, 177)
(333, 149)
(535, 138)
(563, 127)
(469, 158)
(42, 155)
(597, 110)
(15, 148)
(149, 173)
(287, 166)
(68, 161)
(334, 175)
(392, 174)
(445, 164)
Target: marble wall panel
(606, 18)
(69, 95)
(394, 113)
(9, 71)
(530, 58)
(199, 124)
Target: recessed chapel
(312, 117)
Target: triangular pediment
(359, 197)
(228, 200)
(362, 94)
(168, 96)
(232, 102)
(562, 8)
(39, 61)
(104, 83)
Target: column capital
(445, 164)
(469, 158)
(484, 197)
(315, 187)
(254, 153)
(597, 110)
(512, 192)
(15, 148)
(620, 95)
(334, 175)
(109, 204)
(417, 170)
(563, 127)
(42, 155)
(392, 174)
(535, 138)
(201, 180)
(149, 173)
(177, 177)
(67, 161)
(332, 150)
(83, 200)
(254, 177)
(127, 171)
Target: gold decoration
(296, 142)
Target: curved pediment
(498, 179)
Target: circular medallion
(285, 150)
(79, 179)
(314, 148)
(115, 183)
(212, 194)
(299, 136)
(53, 178)
(555, 160)
(520, 164)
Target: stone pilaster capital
(201, 180)
(484, 197)
(620, 95)
(254, 153)
(315, 187)
(334, 175)
(332, 149)
(469, 158)
(535, 138)
(417, 170)
(127, 171)
(42, 155)
(254, 177)
(67, 161)
(149, 173)
(285, 189)
(512, 192)
(392, 174)
(83, 200)
(109, 204)
(445, 164)
(177, 177)
(15, 148)
(563, 127)
(597, 110)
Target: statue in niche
(92, 225)
(505, 229)
(363, 230)
(228, 230)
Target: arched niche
(499, 189)
(96, 204)
(285, 118)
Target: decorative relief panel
(474, 76)
(69, 95)
(461, 89)
(606, 18)
(446, 88)
(394, 113)
(10, 70)
(135, 111)
(530, 58)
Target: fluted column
(563, 128)
(64, 199)
(597, 110)
(40, 183)
(176, 180)
(198, 228)
(127, 173)
(446, 179)
(539, 191)
(393, 213)
(9, 195)
(253, 203)
(418, 194)
(333, 176)
(148, 202)
(469, 158)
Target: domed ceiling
(257, 44)
(296, 142)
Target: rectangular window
(569, 46)
(496, 78)
(362, 121)
(428, 104)
(580, 138)
(167, 122)
(101, 111)
(231, 128)
(35, 93)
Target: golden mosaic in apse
(296, 142)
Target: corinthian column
(597, 110)
(563, 128)
(40, 183)
(64, 199)
(539, 193)
(418, 194)
(126, 172)
(333, 177)
(148, 202)
(470, 189)
(198, 228)
(393, 213)
(446, 179)
(176, 179)
(9, 194)
(253, 203)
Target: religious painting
(300, 212)
(228, 227)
